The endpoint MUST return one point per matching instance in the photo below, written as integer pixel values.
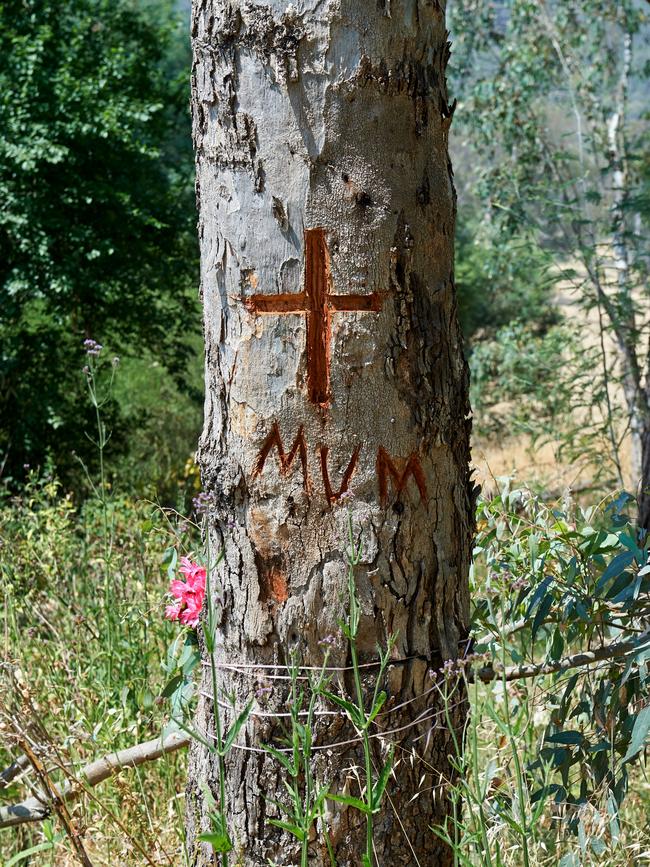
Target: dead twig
(517, 672)
(38, 807)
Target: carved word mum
(392, 472)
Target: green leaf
(318, 802)
(351, 710)
(543, 610)
(189, 658)
(630, 591)
(287, 826)
(170, 664)
(236, 728)
(614, 825)
(617, 565)
(379, 703)
(538, 594)
(557, 645)
(569, 738)
(582, 837)
(220, 841)
(27, 853)
(639, 734)
(357, 803)
(597, 845)
(283, 758)
(218, 838)
(571, 684)
(172, 685)
(380, 785)
(170, 558)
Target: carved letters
(317, 302)
(332, 497)
(275, 440)
(387, 467)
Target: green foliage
(306, 800)
(94, 694)
(500, 280)
(160, 421)
(547, 764)
(550, 583)
(547, 386)
(555, 152)
(96, 226)
(535, 101)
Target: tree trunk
(336, 390)
(643, 474)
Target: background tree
(96, 225)
(336, 393)
(555, 133)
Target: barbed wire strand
(241, 667)
(268, 714)
(419, 720)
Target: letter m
(386, 470)
(274, 440)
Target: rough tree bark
(335, 385)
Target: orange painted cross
(318, 303)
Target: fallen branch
(37, 808)
(15, 769)
(516, 672)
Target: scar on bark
(274, 586)
(333, 496)
(274, 440)
(386, 469)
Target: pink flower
(188, 594)
(194, 573)
(190, 616)
(173, 612)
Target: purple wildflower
(92, 347)
(203, 503)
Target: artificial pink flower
(192, 571)
(190, 615)
(188, 594)
(179, 589)
(172, 612)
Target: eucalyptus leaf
(639, 734)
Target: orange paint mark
(331, 495)
(318, 303)
(274, 440)
(386, 469)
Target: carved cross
(318, 303)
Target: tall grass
(94, 679)
(96, 693)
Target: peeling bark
(324, 126)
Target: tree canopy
(96, 225)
